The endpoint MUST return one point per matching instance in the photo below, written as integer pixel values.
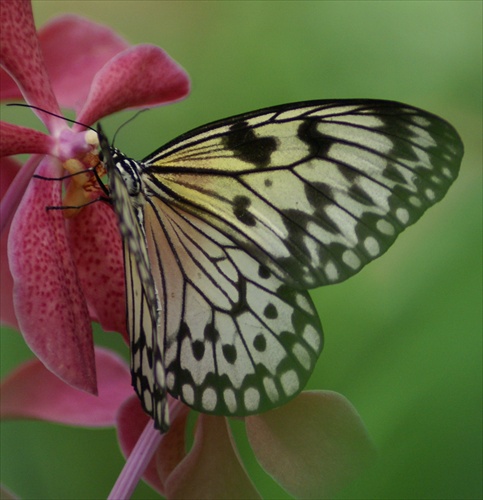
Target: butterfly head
(117, 163)
(129, 170)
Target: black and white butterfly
(227, 227)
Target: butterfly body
(226, 227)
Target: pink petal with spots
(8, 170)
(212, 469)
(32, 391)
(17, 140)
(7, 311)
(49, 304)
(96, 247)
(9, 90)
(74, 50)
(313, 446)
(21, 57)
(16, 189)
(141, 76)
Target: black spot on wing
(229, 353)
(198, 348)
(260, 343)
(263, 272)
(240, 209)
(319, 144)
(246, 146)
(270, 311)
(211, 333)
(358, 194)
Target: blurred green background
(403, 338)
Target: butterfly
(227, 227)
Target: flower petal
(141, 76)
(6, 494)
(32, 391)
(49, 304)
(212, 469)
(15, 191)
(17, 140)
(8, 170)
(74, 50)
(312, 446)
(8, 87)
(96, 247)
(21, 56)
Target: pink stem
(136, 463)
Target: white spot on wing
(170, 379)
(422, 137)
(313, 250)
(303, 303)
(364, 120)
(148, 401)
(372, 246)
(357, 136)
(312, 337)
(302, 355)
(403, 215)
(208, 399)
(351, 259)
(447, 172)
(331, 271)
(160, 375)
(415, 201)
(188, 394)
(271, 389)
(290, 382)
(251, 399)
(421, 121)
(385, 227)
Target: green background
(403, 337)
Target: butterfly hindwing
(237, 339)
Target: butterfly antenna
(126, 122)
(22, 105)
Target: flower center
(84, 187)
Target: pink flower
(312, 446)
(62, 274)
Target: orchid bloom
(312, 446)
(61, 274)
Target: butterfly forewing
(314, 191)
(231, 223)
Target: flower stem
(136, 463)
